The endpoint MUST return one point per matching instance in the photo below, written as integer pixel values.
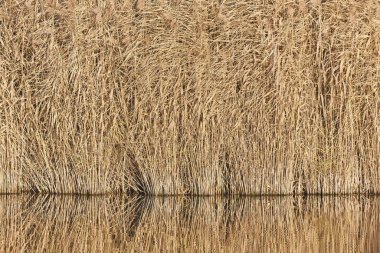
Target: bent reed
(190, 97)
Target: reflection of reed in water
(117, 224)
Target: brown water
(178, 224)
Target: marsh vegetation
(190, 97)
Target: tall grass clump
(190, 97)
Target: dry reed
(190, 97)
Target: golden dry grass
(190, 97)
(81, 224)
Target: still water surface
(178, 224)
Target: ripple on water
(178, 224)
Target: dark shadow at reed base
(43, 223)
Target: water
(177, 224)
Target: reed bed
(116, 224)
(190, 97)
